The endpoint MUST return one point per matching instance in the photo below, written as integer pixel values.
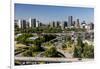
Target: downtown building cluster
(31, 23)
(69, 23)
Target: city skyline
(47, 13)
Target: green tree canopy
(52, 52)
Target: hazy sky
(45, 13)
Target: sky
(48, 13)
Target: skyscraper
(77, 24)
(18, 23)
(58, 24)
(70, 20)
(52, 24)
(83, 25)
(74, 23)
(64, 25)
(91, 26)
(23, 24)
(39, 24)
(33, 23)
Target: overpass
(45, 59)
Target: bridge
(45, 59)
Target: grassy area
(19, 45)
(68, 47)
(48, 45)
(28, 53)
(20, 50)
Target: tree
(49, 37)
(88, 51)
(24, 38)
(78, 50)
(32, 51)
(79, 42)
(52, 52)
(39, 41)
(27, 53)
(68, 38)
(64, 46)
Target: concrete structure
(50, 59)
(33, 38)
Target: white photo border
(45, 66)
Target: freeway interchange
(57, 43)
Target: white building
(83, 25)
(18, 23)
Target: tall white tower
(19, 23)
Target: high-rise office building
(78, 23)
(37, 23)
(83, 25)
(18, 23)
(57, 24)
(70, 21)
(33, 23)
(28, 24)
(15, 23)
(64, 25)
(74, 23)
(52, 24)
(24, 24)
(91, 26)
(40, 24)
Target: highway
(58, 45)
(45, 59)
